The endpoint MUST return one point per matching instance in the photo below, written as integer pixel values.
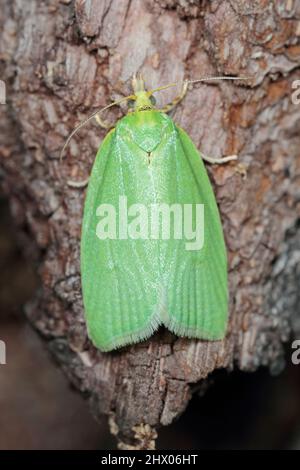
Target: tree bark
(60, 61)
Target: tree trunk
(60, 61)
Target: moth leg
(219, 161)
(103, 124)
(239, 168)
(78, 184)
(168, 107)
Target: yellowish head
(141, 96)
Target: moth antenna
(203, 79)
(226, 77)
(164, 87)
(83, 123)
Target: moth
(135, 275)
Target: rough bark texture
(62, 59)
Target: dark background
(39, 410)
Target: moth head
(143, 99)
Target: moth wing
(197, 294)
(119, 276)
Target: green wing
(119, 276)
(197, 294)
(131, 286)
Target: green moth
(136, 275)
